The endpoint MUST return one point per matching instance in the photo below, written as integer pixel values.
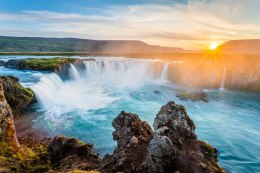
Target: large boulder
(16, 95)
(171, 147)
(69, 154)
(132, 136)
(175, 147)
(130, 130)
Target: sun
(213, 46)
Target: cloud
(191, 24)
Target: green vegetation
(16, 95)
(46, 64)
(194, 96)
(25, 159)
(38, 44)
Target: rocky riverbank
(171, 147)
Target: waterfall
(120, 71)
(92, 88)
(165, 72)
(222, 86)
(74, 74)
(46, 89)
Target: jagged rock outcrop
(7, 129)
(132, 136)
(59, 65)
(172, 147)
(16, 95)
(69, 153)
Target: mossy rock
(25, 159)
(43, 64)
(59, 65)
(16, 95)
(194, 96)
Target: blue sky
(191, 24)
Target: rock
(157, 92)
(7, 129)
(174, 118)
(16, 95)
(172, 147)
(58, 65)
(186, 154)
(70, 153)
(132, 136)
(160, 155)
(2, 63)
(89, 59)
(129, 126)
(194, 96)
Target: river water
(85, 105)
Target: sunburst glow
(213, 46)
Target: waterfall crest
(165, 72)
(93, 87)
(222, 85)
(47, 88)
(74, 73)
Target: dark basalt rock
(172, 147)
(69, 153)
(132, 136)
(16, 95)
(130, 130)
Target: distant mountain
(39, 44)
(241, 46)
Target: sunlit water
(85, 106)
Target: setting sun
(213, 46)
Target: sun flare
(213, 46)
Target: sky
(190, 24)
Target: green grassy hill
(38, 44)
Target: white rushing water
(165, 72)
(74, 74)
(94, 88)
(47, 88)
(222, 86)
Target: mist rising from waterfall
(94, 88)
